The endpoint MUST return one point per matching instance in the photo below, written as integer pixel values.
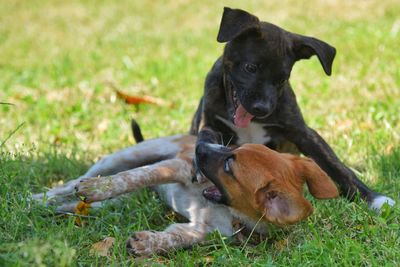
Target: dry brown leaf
(343, 125)
(388, 149)
(208, 259)
(366, 126)
(281, 244)
(136, 100)
(82, 208)
(102, 248)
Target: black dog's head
(257, 62)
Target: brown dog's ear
(318, 182)
(304, 47)
(282, 208)
(234, 22)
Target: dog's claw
(131, 250)
(142, 243)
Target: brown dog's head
(257, 62)
(258, 181)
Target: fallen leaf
(208, 259)
(388, 149)
(366, 126)
(343, 125)
(82, 208)
(136, 100)
(102, 248)
(281, 244)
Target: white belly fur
(255, 133)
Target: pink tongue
(242, 118)
(212, 193)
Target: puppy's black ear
(304, 47)
(234, 22)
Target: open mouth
(212, 193)
(241, 117)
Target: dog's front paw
(377, 203)
(94, 189)
(144, 243)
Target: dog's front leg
(167, 171)
(179, 235)
(313, 145)
(124, 159)
(109, 164)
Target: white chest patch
(255, 133)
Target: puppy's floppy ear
(234, 22)
(282, 208)
(304, 47)
(318, 182)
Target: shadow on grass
(28, 232)
(387, 167)
(32, 233)
(32, 170)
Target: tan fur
(259, 171)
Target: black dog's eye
(250, 67)
(228, 166)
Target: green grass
(57, 57)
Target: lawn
(58, 59)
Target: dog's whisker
(252, 232)
(230, 140)
(238, 231)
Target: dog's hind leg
(144, 153)
(182, 235)
(178, 235)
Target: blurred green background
(57, 59)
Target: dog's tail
(137, 133)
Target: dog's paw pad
(141, 243)
(89, 189)
(379, 201)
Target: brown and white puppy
(262, 183)
(250, 183)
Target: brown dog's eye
(250, 68)
(227, 166)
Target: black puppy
(248, 98)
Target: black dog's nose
(260, 109)
(206, 152)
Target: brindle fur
(269, 95)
